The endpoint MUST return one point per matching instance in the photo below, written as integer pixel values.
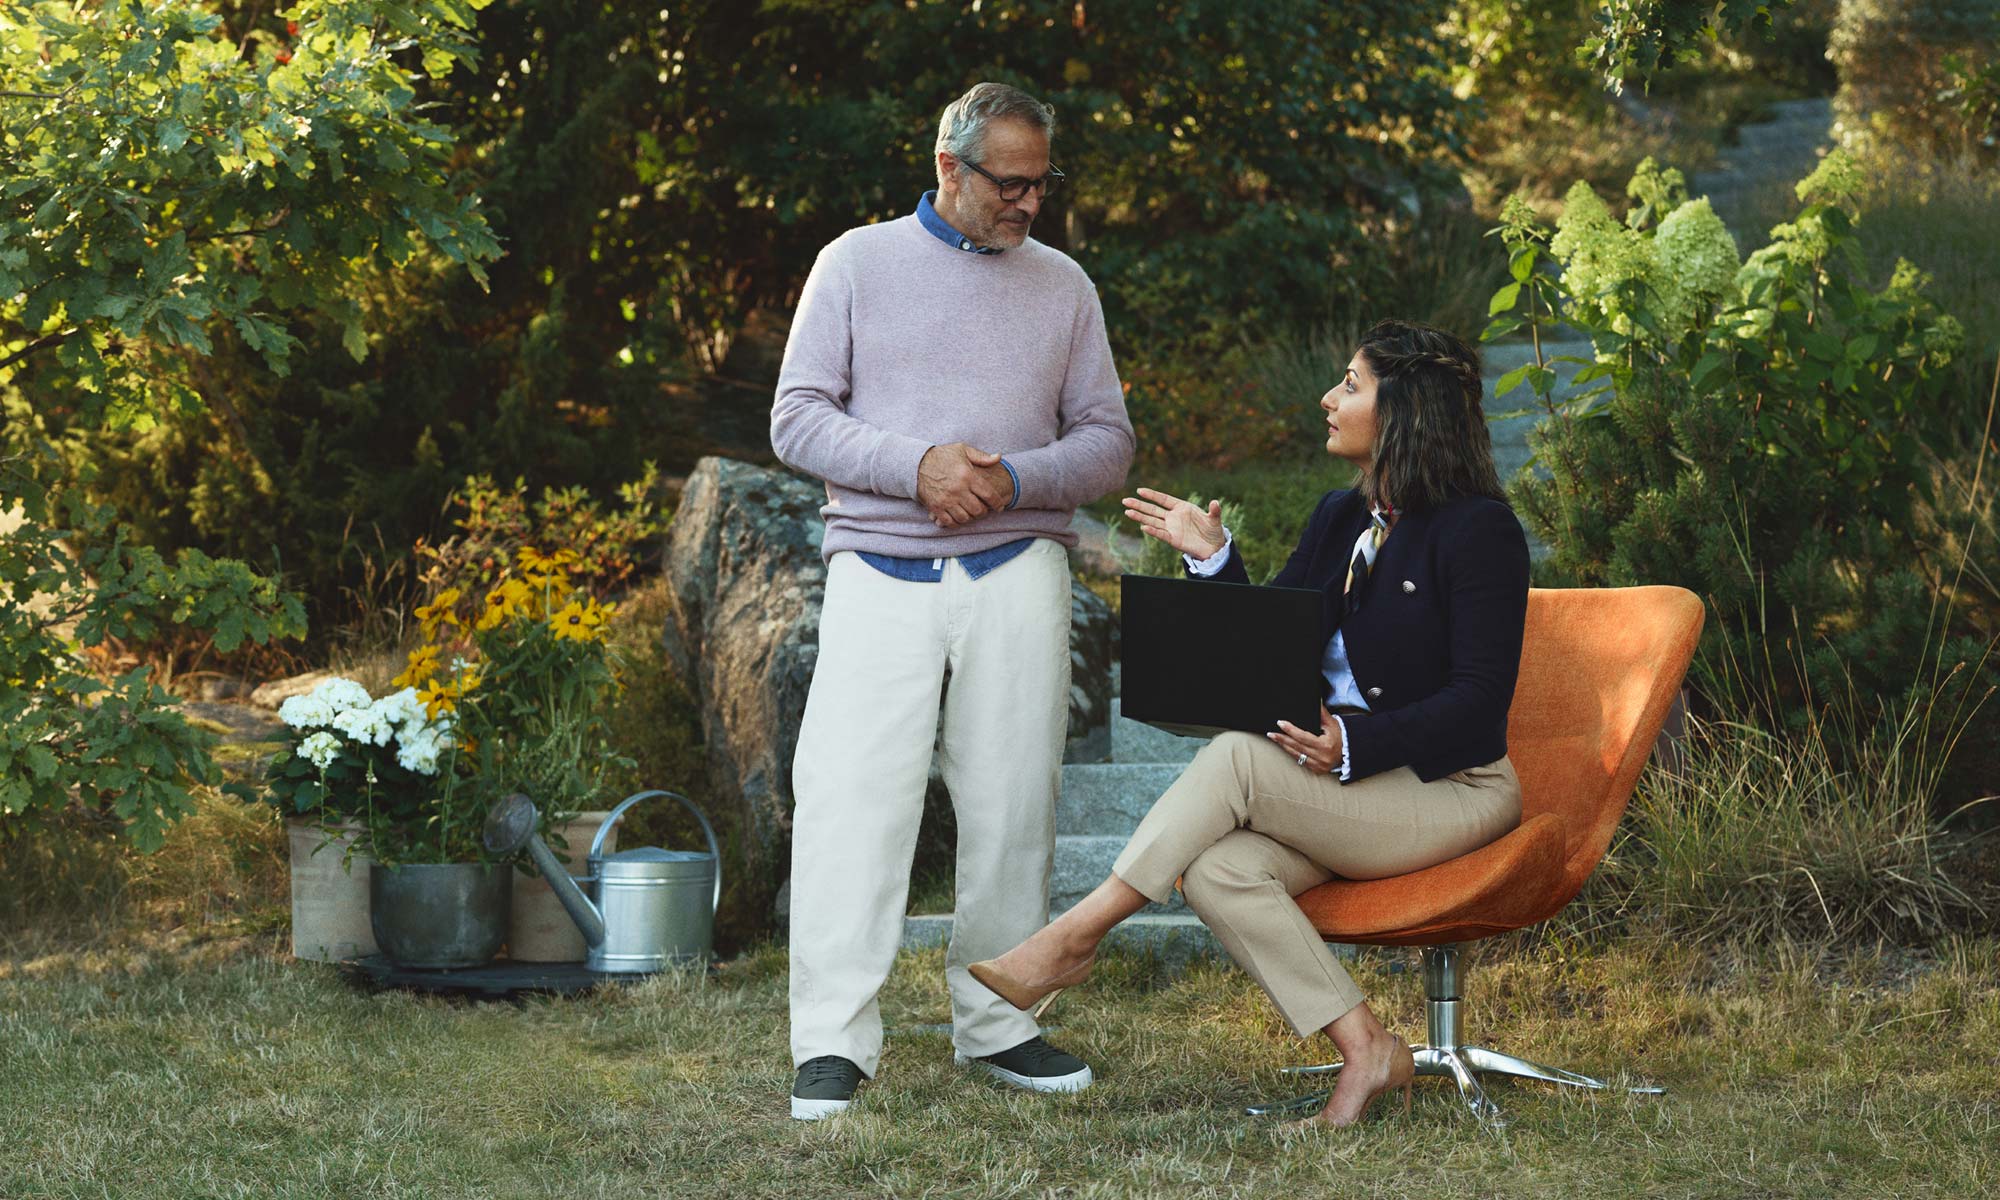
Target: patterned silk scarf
(1365, 547)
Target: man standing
(949, 378)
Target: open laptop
(1201, 657)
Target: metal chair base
(1446, 1056)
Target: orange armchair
(1599, 671)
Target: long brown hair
(1431, 443)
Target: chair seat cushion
(1515, 881)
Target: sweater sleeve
(1093, 446)
(1484, 564)
(811, 429)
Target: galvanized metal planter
(440, 915)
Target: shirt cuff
(1346, 763)
(1214, 562)
(1016, 477)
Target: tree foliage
(174, 184)
(171, 182)
(117, 747)
(1639, 38)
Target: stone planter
(440, 915)
(329, 896)
(539, 929)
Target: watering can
(646, 909)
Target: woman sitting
(1424, 573)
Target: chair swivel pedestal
(1446, 1055)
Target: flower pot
(539, 929)
(440, 915)
(329, 895)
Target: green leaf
(355, 340)
(1512, 379)
(172, 134)
(1503, 299)
(1705, 367)
(1521, 263)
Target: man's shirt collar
(927, 216)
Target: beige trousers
(865, 743)
(1245, 828)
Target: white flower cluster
(320, 747)
(1684, 267)
(340, 707)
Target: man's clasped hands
(957, 483)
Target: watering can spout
(511, 827)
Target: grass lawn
(223, 1069)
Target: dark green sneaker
(1036, 1066)
(825, 1086)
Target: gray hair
(962, 128)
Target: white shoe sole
(1076, 1081)
(813, 1110)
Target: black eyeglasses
(1014, 187)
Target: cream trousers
(1245, 828)
(871, 720)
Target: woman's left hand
(1319, 754)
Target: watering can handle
(714, 848)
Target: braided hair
(1431, 443)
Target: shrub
(496, 525)
(116, 747)
(1758, 435)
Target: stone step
(1110, 798)
(1172, 938)
(1082, 862)
(1138, 742)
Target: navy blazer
(1436, 642)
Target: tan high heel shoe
(1402, 1074)
(1032, 999)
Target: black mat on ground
(496, 980)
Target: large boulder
(744, 584)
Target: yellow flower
(510, 598)
(581, 621)
(437, 697)
(439, 612)
(529, 559)
(422, 664)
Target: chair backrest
(1599, 671)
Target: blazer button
(1408, 587)
(1374, 693)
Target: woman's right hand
(1184, 526)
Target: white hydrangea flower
(366, 724)
(321, 748)
(305, 712)
(340, 694)
(419, 753)
(401, 709)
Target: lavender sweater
(902, 343)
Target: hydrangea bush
(1757, 430)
